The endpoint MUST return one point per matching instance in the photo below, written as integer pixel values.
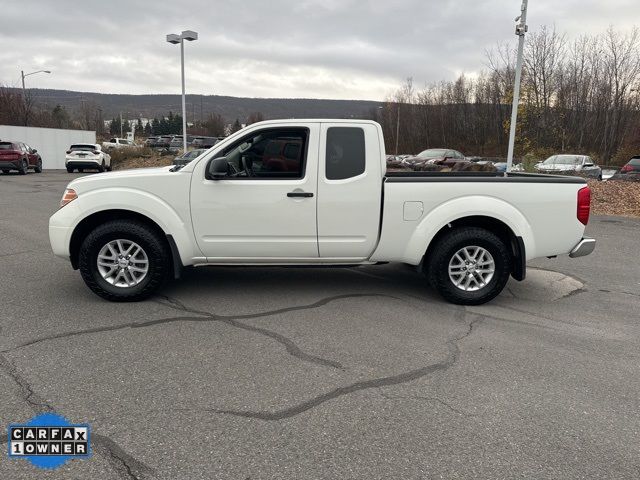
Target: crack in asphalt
(231, 320)
(127, 466)
(429, 399)
(404, 377)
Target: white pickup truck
(117, 143)
(315, 192)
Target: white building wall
(51, 143)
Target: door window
(269, 154)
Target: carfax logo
(49, 440)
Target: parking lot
(251, 373)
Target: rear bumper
(84, 163)
(584, 247)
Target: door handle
(300, 194)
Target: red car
(19, 156)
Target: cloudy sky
(348, 49)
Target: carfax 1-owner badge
(48, 441)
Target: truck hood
(119, 178)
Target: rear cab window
(345, 155)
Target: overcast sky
(348, 49)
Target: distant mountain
(200, 106)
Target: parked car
(90, 156)
(204, 142)
(185, 158)
(438, 156)
(332, 202)
(164, 141)
(19, 156)
(151, 142)
(631, 170)
(570, 164)
(117, 143)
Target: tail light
(584, 205)
(626, 168)
(68, 152)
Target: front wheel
(38, 167)
(469, 266)
(24, 166)
(124, 260)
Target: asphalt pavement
(332, 373)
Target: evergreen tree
(155, 127)
(114, 126)
(236, 126)
(139, 127)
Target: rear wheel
(69, 170)
(24, 166)
(469, 266)
(81, 170)
(5, 172)
(124, 260)
(101, 167)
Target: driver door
(264, 210)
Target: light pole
(521, 29)
(24, 92)
(398, 129)
(190, 36)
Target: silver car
(568, 164)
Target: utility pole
(521, 29)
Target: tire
(6, 172)
(153, 246)
(101, 167)
(69, 170)
(24, 166)
(81, 170)
(38, 167)
(443, 257)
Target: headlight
(69, 196)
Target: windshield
(432, 153)
(562, 160)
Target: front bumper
(584, 247)
(7, 165)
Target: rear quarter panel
(544, 215)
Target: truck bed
(512, 177)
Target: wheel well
(501, 229)
(98, 218)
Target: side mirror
(218, 168)
(34, 151)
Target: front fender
(469, 206)
(144, 203)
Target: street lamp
(27, 74)
(24, 93)
(521, 29)
(190, 36)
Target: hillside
(199, 106)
